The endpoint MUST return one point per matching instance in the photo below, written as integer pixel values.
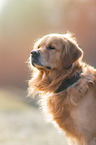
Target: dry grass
(21, 124)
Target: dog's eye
(50, 47)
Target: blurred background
(22, 22)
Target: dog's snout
(35, 53)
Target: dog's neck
(68, 82)
(52, 81)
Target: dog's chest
(60, 112)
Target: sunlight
(2, 2)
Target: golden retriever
(68, 86)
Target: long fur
(64, 105)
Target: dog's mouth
(36, 63)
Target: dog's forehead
(51, 39)
(57, 39)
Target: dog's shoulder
(89, 78)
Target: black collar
(68, 82)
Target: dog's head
(55, 51)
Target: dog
(67, 86)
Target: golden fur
(73, 109)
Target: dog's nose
(35, 53)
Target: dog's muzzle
(35, 57)
(36, 60)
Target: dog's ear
(71, 53)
